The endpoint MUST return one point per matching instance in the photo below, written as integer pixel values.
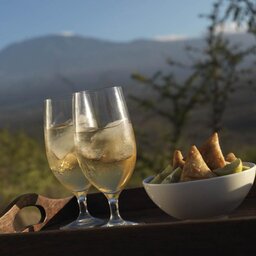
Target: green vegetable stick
(161, 176)
(245, 168)
(173, 177)
(233, 167)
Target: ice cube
(83, 123)
(62, 142)
(91, 153)
(113, 143)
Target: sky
(114, 20)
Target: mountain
(54, 54)
(43, 67)
(51, 54)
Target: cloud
(231, 28)
(172, 37)
(67, 33)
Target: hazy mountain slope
(49, 54)
(43, 67)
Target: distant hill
(53, 54)
(48, 55)
(43, 67)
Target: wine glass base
(84, 223)
(121, 222)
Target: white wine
(107, 156)
(61, 156)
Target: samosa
(195, 167)
(212, 154)
(177, 160)
(230, 157)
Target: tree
(243, 12)
(214, 76)
(24, 168)
(175, 100)
(221, 67)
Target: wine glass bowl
(60, 151)
(62, 159)
(105, 143)
(108, 155)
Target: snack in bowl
(203, 163)
(203, 184)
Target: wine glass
(105, 143)
(60, 151)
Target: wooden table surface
(158, 233)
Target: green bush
(24, 168)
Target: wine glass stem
(83, 210)
(114, 211)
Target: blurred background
(186, 71)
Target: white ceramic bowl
(203, 198)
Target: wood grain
(158, 233)
(48, 209)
